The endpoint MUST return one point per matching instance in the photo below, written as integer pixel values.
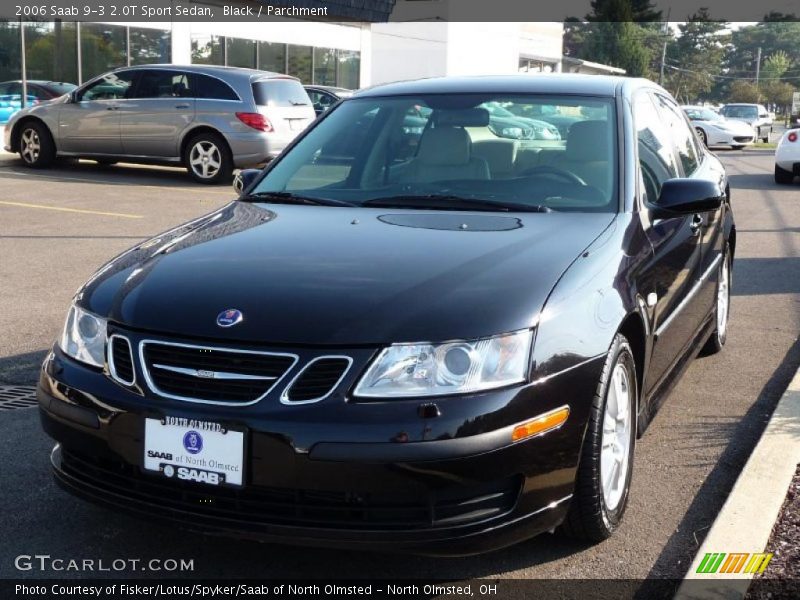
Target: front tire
(702, 135)
(782, 176)
(36, 147)
(606, 463)
(208, 159)
(722, 310)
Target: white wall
(403, 51)
(482, 48)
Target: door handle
(181, 106)
(112, 107)
(697, 222)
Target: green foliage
(744, 91)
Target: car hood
(324, 275)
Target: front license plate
(193, 450)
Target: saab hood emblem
(229, 318)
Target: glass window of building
(103, 47)
(348, 69)
(324, 66)
(51, 51)
(300, 59)
(208, 49)
(272, 57)
(241, 53)
(10, 55)
(150, 46)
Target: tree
(613, 38)
(744, 91)
(696, 56)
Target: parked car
(755, 115)
(37, 91)
(406, 351)
(209, 119)
(716, 130)
(506, 124)
(787, 157)
(325, 96)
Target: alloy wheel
(30, 146)
(205, 159)
(617, 423)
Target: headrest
(445, 146)
(588, 141)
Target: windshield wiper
(290, 198)
(452, 202)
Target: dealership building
(325, 52)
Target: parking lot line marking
(74, 210)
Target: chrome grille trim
(204, 374)
(285, 393)
(151, 384)
(112, 369)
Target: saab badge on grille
(229, 318)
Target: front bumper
(454, 495)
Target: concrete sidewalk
(746, 520)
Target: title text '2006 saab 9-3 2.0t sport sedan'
(433, 339)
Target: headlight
(414, 370)
(84, 337)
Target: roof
(560, 83)
(593, 65)
(212, 70)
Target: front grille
(120, 360)
(210, 374)
(251, 506)
(317, 380)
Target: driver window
(656, 159)
(113, 86)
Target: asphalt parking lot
(58, 226)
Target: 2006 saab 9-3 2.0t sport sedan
(430, 338)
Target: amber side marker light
(541, 424)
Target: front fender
(593, 299)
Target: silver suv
(209, 119)
(755, 115)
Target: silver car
(209, 119)
(755, 115)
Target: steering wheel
(555, 171)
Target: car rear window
(280, 92)
(211, 87)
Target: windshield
(703, 114)
(452, 151)
(741, 112)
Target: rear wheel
(36, 147)
(723, 308)
(783, 176)
(208, 159)
(606, 463)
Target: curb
(746, 520)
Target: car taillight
(255, 120)
(792, 137)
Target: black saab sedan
(429, 339)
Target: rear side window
(163, 84)
(212, 88)
(280, 92)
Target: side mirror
(243, 179)
(686, 197)
(73, 96)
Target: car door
(676, 241)
(91, 124)
(161, 107)
(698, 164)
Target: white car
(755, 115)
(787, 157)
(716, 130)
